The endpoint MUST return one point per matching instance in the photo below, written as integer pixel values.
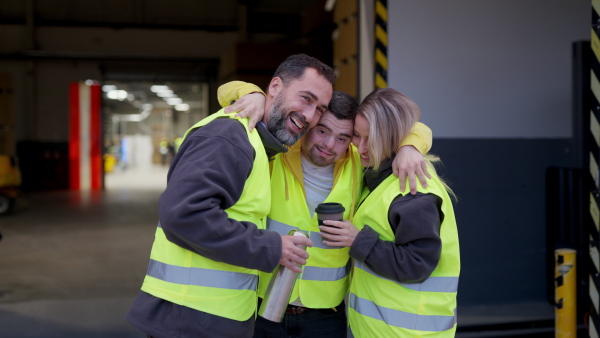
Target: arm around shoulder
(420, 137)
(233, 90)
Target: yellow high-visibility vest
(380, 307)
(183, 277)
(324, 280)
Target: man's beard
(319, 160)
(277, 122)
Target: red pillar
(85, 137)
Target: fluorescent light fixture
(174, 100)
(166, 93)
(108, 88)
(157, 88)
(117, 95)
(182, 107)
(113, 94)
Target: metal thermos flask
(280, 287)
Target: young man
(211, 239)
(320, 168)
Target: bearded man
(211, 240)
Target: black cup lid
(330, 208)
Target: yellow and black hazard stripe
(593, 143)
(381, 44)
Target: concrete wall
(488, 69)
(493, 81)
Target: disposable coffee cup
(330, 211)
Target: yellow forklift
(10, 180)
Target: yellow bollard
(565, 283)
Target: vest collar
(374, 177)
(293, 161)
(271, 144)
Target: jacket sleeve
(420, 137)
(415, 252)
(233, 90)
(207, 176)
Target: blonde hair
(391, 116)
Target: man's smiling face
(298, 106)
(328, 141)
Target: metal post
(566, 293)
(381, 44)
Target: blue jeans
(311, 323)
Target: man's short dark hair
(294, 66)
(343, 106)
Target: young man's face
(298, 106)
(328, 140)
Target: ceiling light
(182, 107)
(117, 95)
(108, 88)
(174, 100)
(166, 93)
(157, 88)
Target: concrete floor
(71, 263)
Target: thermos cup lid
(330, 208)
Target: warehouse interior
(504, 86)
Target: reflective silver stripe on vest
(431, 284)
(325, 274)
(284, 229)
(405, 320)
(202, 277)
(312, 272)
(280, 228)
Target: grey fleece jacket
(206, 177)
(415, 221)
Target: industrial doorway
(143, 125)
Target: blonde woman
(405, 247)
